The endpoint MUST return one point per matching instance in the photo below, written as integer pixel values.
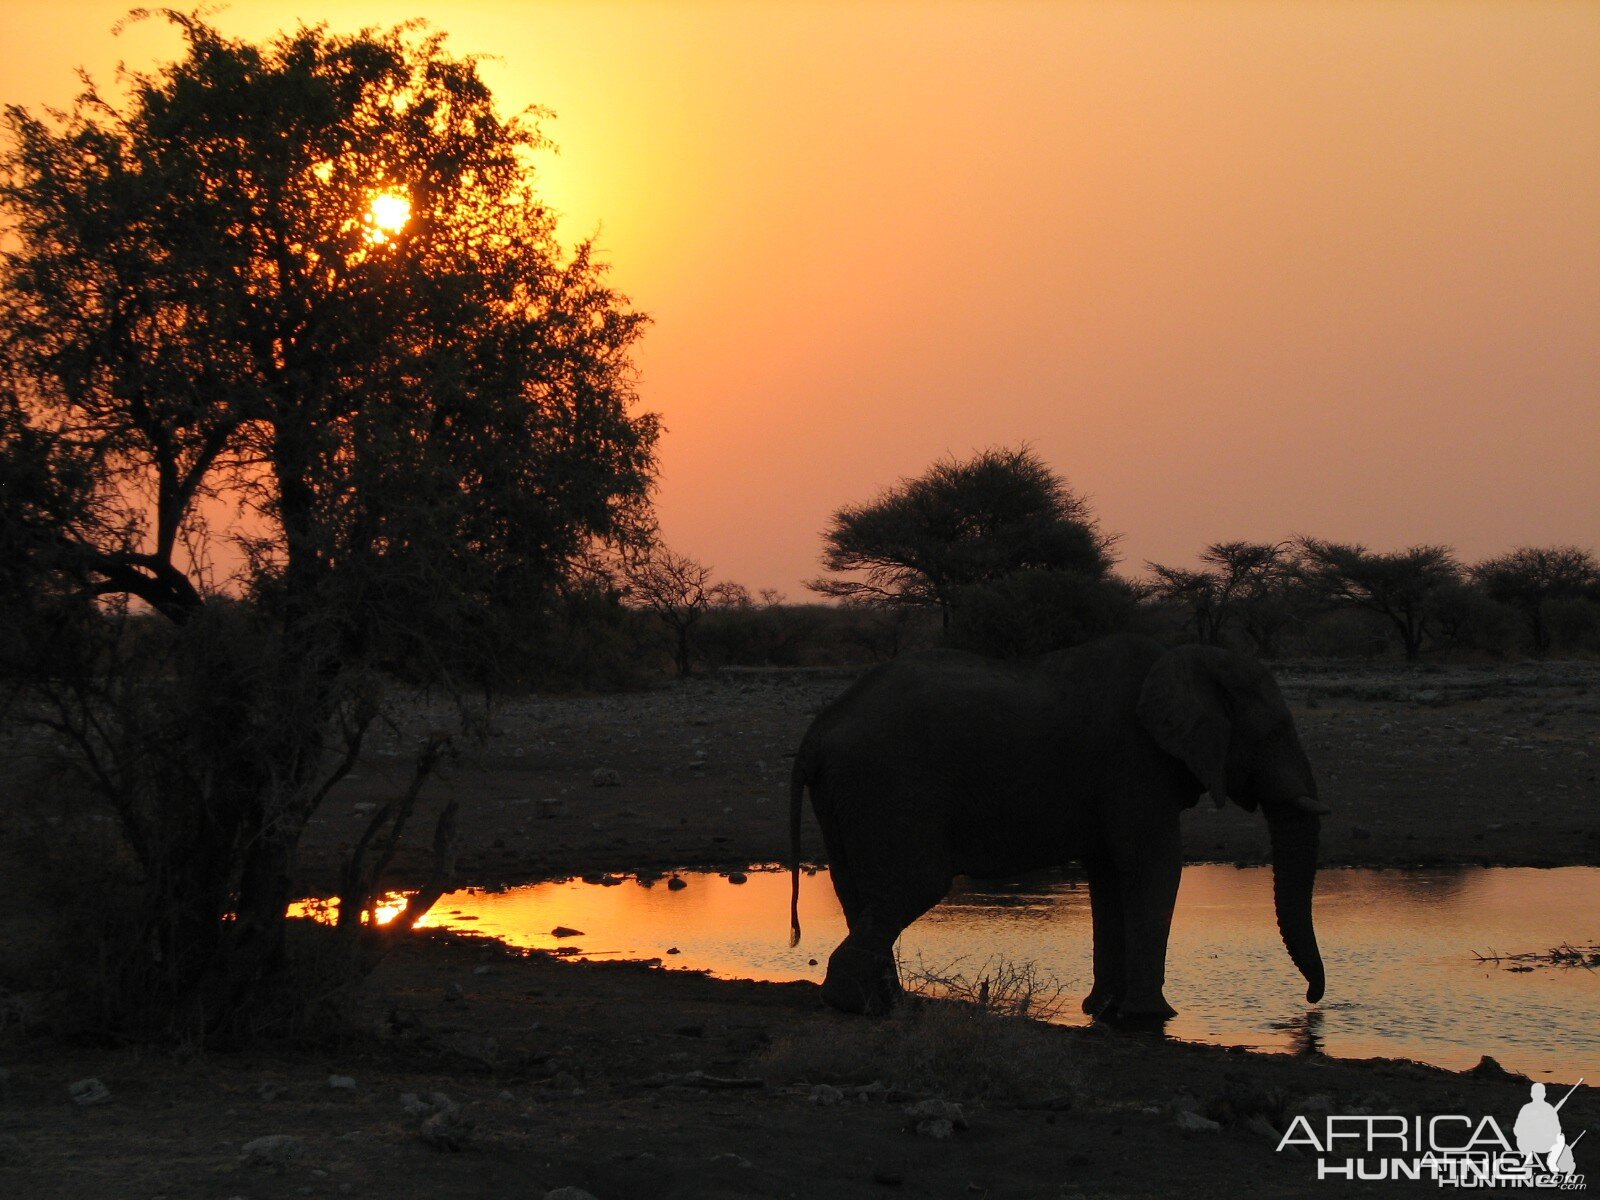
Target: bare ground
(583, 1075)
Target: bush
(1574, 626)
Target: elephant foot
(1100, 1003)
(1108, 1006)
(861, 981)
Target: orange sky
(1238, 269)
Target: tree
(958, 525)
(310, 279)
(1527, 577)
(679, 591)
(1247, 581)
(1401, 586)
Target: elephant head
(1222, 716)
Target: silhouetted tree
(961, 524)
(1529, 576)
(423, 413)
(1244, 581)
(1399, 586)
(679, 591)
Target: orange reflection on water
(1403, 980)
(731, 929)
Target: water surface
(1399, 947)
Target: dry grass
(942, 1047)
(997, 985)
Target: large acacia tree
(961, 525)
(1405, 587)
(1529, 576)
(309, 283)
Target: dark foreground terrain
(634, 1081)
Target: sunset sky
(1238, 270)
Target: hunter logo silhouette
(1538, 1131)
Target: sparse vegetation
(997, 985)
(947, 1048)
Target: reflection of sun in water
(387, 215)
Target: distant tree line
(997, 553)
(1014, 562)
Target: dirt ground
(632, 1081)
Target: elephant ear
(1181, 707)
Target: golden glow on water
(1399, 947)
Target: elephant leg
(1105, 905)
(862, 975)
(1148, 871)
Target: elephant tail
(799, 777)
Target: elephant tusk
(1307, 804)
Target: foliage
(1530, 577)
(943, 1048)
(1247, 582)
(960, 525)
(1402, 587)
(1035, 612)
(419, 427)
(678, 591)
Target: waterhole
(1401, 949)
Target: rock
(486, 969)
(826, 1094)
(1313, 1107)
(11, 1150)
(271, 1091)
(274, 1150)
(342, 1083)
(363, 808)
(477, 1047)
(569, 1193)
(1258, 1124)
(454, 994)
(1193, 1122)
(420, 1107)
(565, 931)
(732, 1159)
(550, 806)
(673, 950)
(605, 777)
(677, 883)
(86, 1092)
(446, 1129)
(936, 1118)
(738, 877)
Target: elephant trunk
(1294, 833)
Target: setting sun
(388, 214)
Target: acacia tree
(1247, 581)
(310, 279)
(1402, 586)
(959, 525)
(678, 591)
(1528, 576)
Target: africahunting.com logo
(1450, 1150)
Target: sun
(387, 215)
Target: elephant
(947, 763)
